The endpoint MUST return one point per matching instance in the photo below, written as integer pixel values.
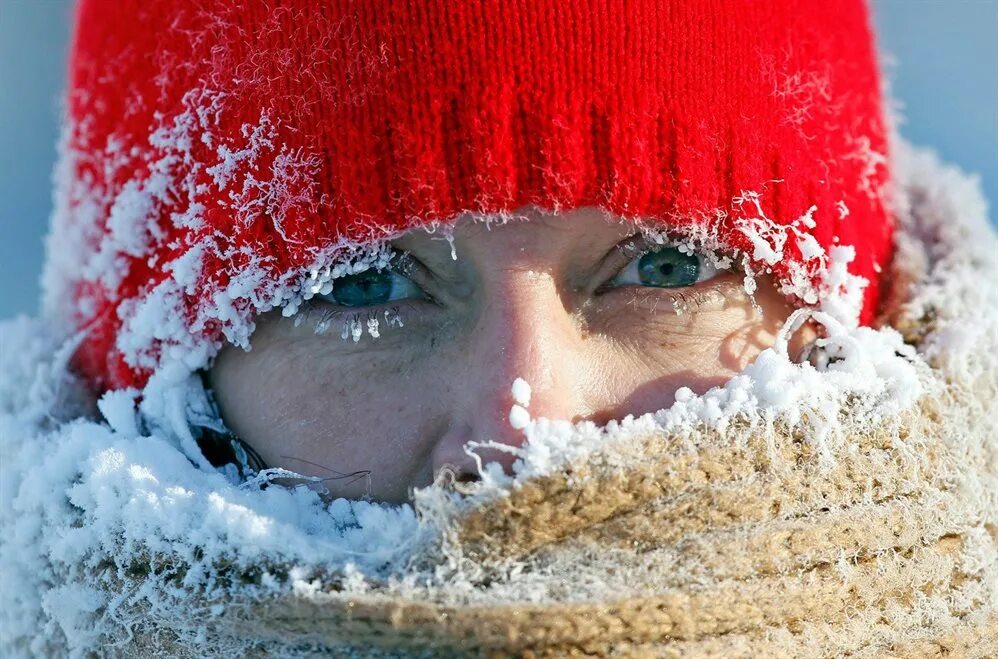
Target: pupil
(666, 269)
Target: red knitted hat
(221, 157)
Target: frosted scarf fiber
(845, 509)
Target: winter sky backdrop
(945, 73)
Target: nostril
(466, 477)
(450, 475)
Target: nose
(523, 331)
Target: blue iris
(668, 268)
(372, 287)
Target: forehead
(526, 230)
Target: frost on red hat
(220, 158)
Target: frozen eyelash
(353, 324)
(687, 302)
(680, 302)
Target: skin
(528, 298)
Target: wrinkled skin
(528, 298)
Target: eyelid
(398, 268)
(408, 265)
(441, 287)
(618, 258)
(629, 250)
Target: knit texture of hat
(222, 158)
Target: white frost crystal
(76, 490)
(521, 392)
(519, 417)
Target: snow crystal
(521, 392)
(124, 483)
(519, 417)
(876, 366)
(767, 237)
(158, 330)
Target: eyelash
(397, 314)
(678, 301)
(401, 310)
(684, 300)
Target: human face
(573, 303)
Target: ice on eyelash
(354, 326)
(683, 304)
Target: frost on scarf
(115, 525)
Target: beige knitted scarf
(723, 553)
(870, 532)
(746, 542)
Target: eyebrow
(593, 246)
(436, 263)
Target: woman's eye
(372, 287)
(665, 267)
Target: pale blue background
(946, 76)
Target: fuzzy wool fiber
(847, 509)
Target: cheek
(646, 360)
(324, 414)
(747, 338)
